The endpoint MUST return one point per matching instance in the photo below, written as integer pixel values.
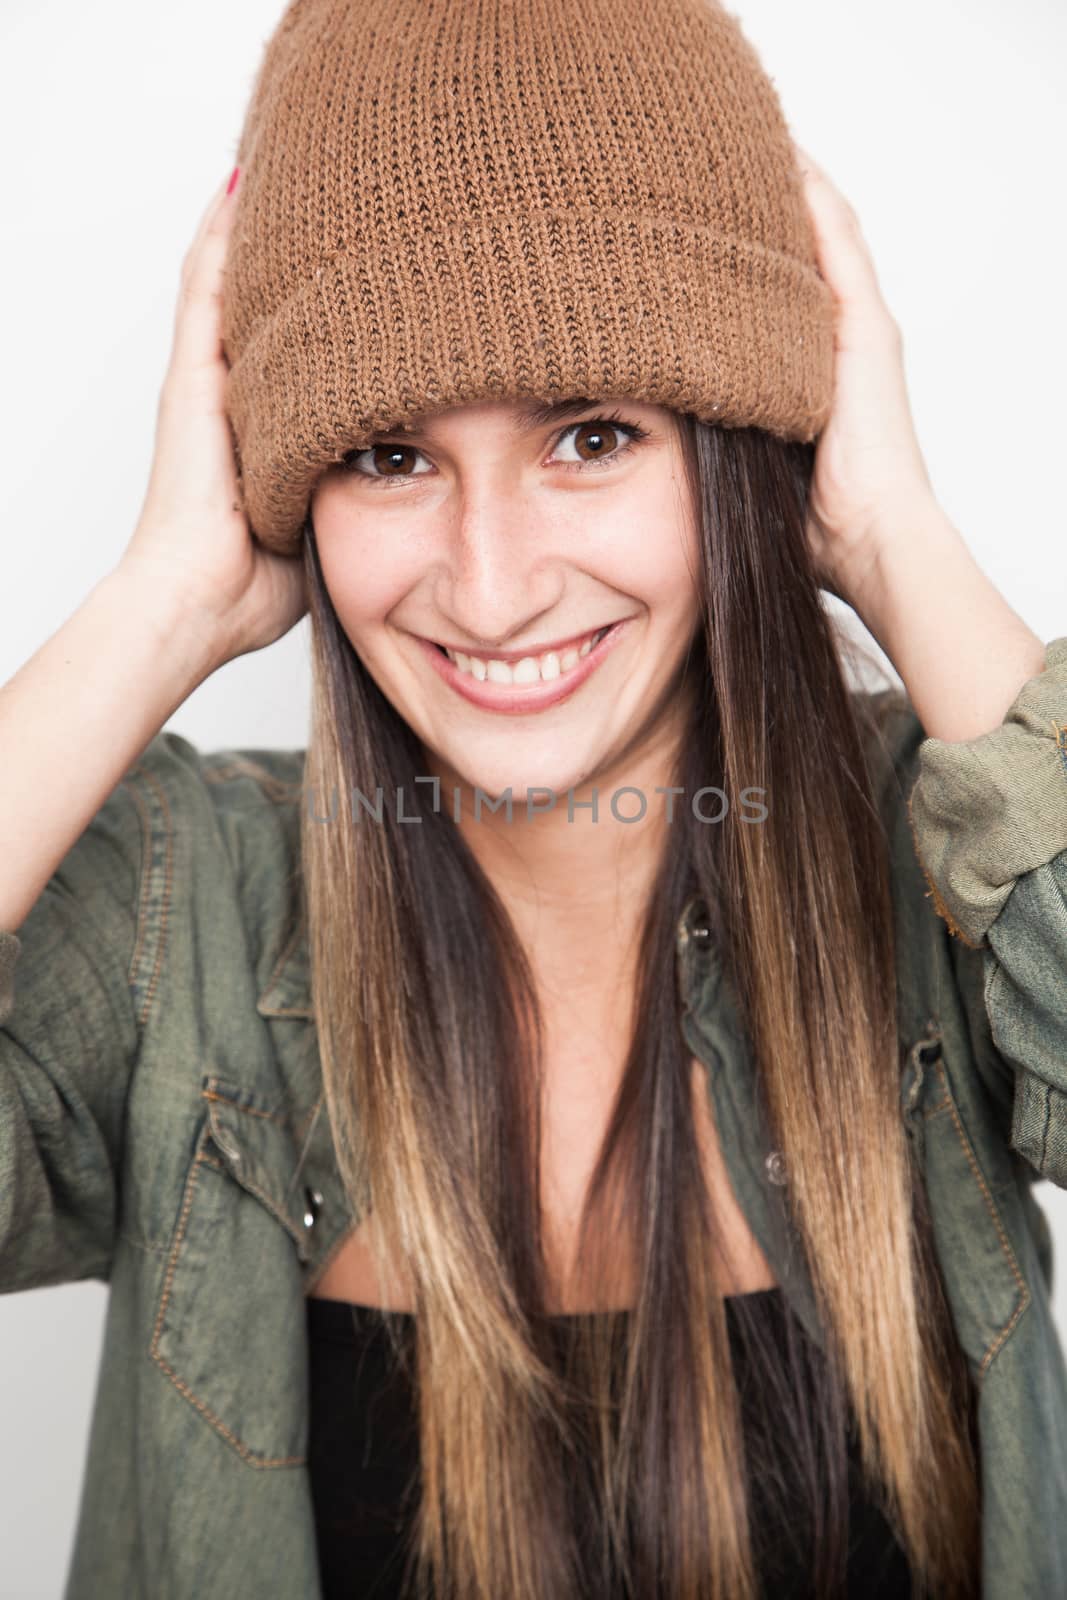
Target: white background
(942, 121)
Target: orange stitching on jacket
(251, 1111)
(1005, 1243)
(190, 1189)
(142, 773)
(281, 1117)
(168, 884)
(183, 1388)
(142, 887)
(240, 767)
(253, 1188)
(1061, 742)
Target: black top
(363, 1465)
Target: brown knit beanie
(447, 201)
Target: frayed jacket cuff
(985, 811)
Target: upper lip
(520, 655)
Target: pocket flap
(229, 1330)
(258, 1149)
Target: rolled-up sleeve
(989, 820)
(69, 1034)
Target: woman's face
(514, 539)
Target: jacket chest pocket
(978, 1261)
(229, 1331)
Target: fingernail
(231, 186)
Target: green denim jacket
(162, 1127)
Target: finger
(197, 333)
(844, 255)
(805, 159)
(210, 212)
(827, 194)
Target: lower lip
(524, 699)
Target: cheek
(658, 564)
(366, 575)
(666, 580)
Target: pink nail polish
(231, 186)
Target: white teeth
(531, 669)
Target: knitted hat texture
(452, 201)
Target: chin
(522, 777)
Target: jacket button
(775, 1167)
(312, 1206)
(695, 923)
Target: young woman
(571, 1130)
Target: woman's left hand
(870, 481)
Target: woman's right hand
(192, 536)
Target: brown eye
(600, 442)
(386, 461)
(595, 439)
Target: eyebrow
(535, 415)
(532, 414)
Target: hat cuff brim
(644, 307)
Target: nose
(497, 577)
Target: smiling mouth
(544, 668)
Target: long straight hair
(605, 1455)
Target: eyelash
(633, 432)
